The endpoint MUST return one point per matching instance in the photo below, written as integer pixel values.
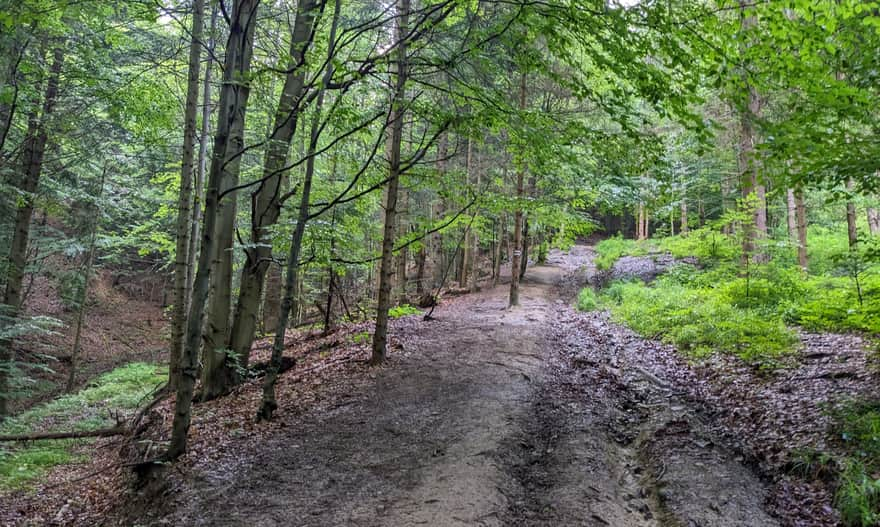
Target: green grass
(121, 389)
(610, 250)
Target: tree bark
(873, 220)
(184, 200)
(228, 143)
(513, 299)
(684, 215)
(801, 224)
(383, 304)
(753, 192)
(221, 368)
(269, 403)
(32, 169)
(202, 166)
(792, 214)
(852, 231)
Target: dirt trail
(495, 417)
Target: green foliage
(404, 310)
(858, 493)
(587, 300)
(121, 389)
(700, 321)
(610, 250)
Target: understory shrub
(587, 300)
(858, 493)
(699, 321)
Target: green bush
(587, 300)
(706, 244)
(608, 251)
(858, 494)
(700, 321)
(404, 310)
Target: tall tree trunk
(852, 231)
(32, 169)
(184, 199)
(496, 261)
(513, 299)
(84, 294)
(400, 259)
(801, 225)
(475, 236)
(684, 215)
(202, 166)
(438, 261)
(753, 192)
(224, 361)
(228, 144)
(269, 403)
(467, 245)
(9, 104)
(383, 304)
(873, 220)
(792, 215)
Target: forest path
(489, 416)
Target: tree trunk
(228, 143)
(801, 224)
(84, 294)
(792, 214)
(475, 236)
(32, 168)
(224, 361)
(269, 403)
(438, 262)
(202, 166)
(184, 200)
(400, 259)
(852, 231)
(753, 192)
(380, 336)
(684, 215)
(515, 264)
(873, 220)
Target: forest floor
(537, 415)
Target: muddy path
(488, 416)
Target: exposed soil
(486, 416)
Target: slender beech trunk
(475, 236)
(501, 234)
(801, 220)
(402, 254)
(792, 215)
(84, 294)
(467, 246)
(32, 168)
(9, 105)
(202, 166)
(230, 350)
(684, 215)
(380, 336)
(228, 144)
(513, 299)
(438, 260)
(852, 231)
(184, 199)
(292, 279)
(873, 220)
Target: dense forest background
(179, 180)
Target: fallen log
(77, 434)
